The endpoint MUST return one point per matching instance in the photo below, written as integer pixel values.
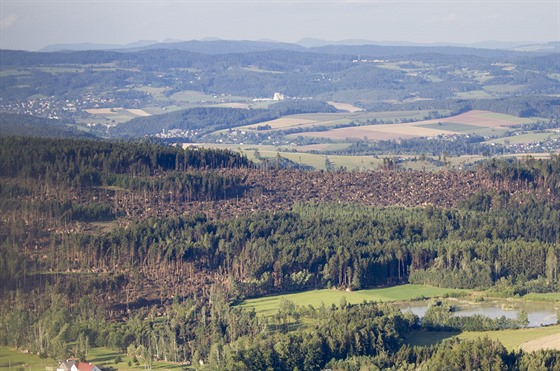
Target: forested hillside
(200, 121)
(16, 124)
(145, 249)
(244, 94)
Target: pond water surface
(540, 314)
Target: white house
(66, 365)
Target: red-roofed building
(83, 366)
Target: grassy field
(106, 357)
(505, 88)
(269, 305)
(317, 161)
(527, 138)
(157, 93)
(407, 66)
(473, 94)
(549, 296)
(378, 132)
(13, 359)
(188, 96)
(259, 70)
(345, 107)
(511, 339)
(14, 72)
(116, 115)
(452, 126)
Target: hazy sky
(33, 24)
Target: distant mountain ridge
(217, 46)
(224, 46)
(490, 44)
(95, 46)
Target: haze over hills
(319, 185)
(95, 46)
(215, 45)
(489, 44)
(188, 90)
(223, 170)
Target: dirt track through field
(547, 342)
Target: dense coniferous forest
(146, 249)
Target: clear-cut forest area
(280, 207)
(147, 249)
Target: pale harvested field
(103, 111)
(378, 132)
(345, 107)
(480, 118)
(232, 105)
(281, 123)
(547, 342)
(117, 111)
(330, 119)
(138, 112)
(313, 147)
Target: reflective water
(540, 314)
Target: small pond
(540, 314)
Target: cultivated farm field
(115, 115)
(475, 122)
(330, 119)
(345, 107)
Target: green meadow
(104, 358)
(453, 126)
(547, 296)
(527, 138)
(473, 94)
(511, 339)
(12, 359)
(268, 305)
